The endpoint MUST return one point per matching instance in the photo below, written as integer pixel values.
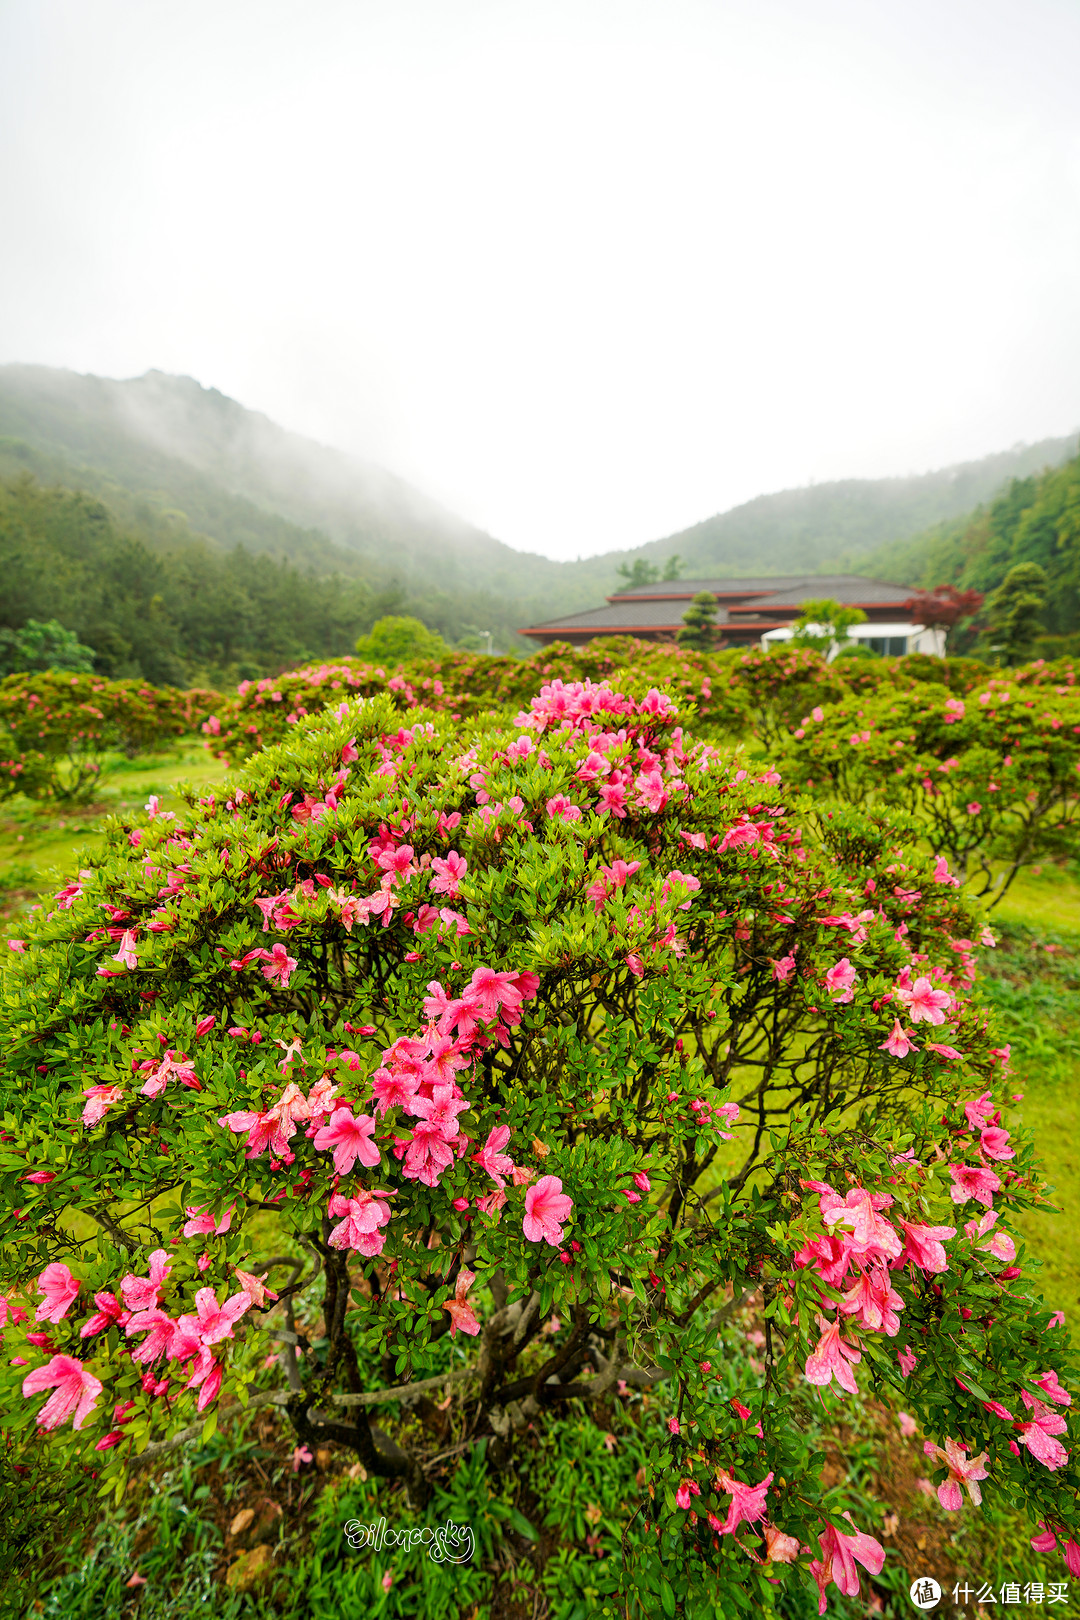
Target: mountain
(161, 444)
(1033, 519)
(826, 528)
(175, 462)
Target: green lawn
(37, 840)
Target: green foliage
(41, 647)
(992, 778)
(1014, 612)
(56, 729)
(162, 608)
(1035, 520)
(394, 639)
(700, 623)
(642, 1007)
(823, 624)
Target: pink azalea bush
(373, 1031)
(992, 777)
(57, 727)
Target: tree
(430, 1052)
(398, 638)
(673, 567)
(823, 624)
(43, 647)
(642, 573)
(945, 605)
(1014, 610)
(700, 621)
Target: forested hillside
(1034, 520)
(185, 537)
(828, 526)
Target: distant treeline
(1035, 520)
(182, 611)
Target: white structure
(890, 640)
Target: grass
(39, 840)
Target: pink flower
(838, 1555)
(1050, 1383)
(871, 1235)
(907, 1359)
(962, 1472)
(747, 1501)
(255, 1287)
(350, 1138)
(673, 1425)
(779, 1548)
(201, 1222)
(99, 1099)
(213, 1321)
(279, 965)
(363, 1214)
(109, 1310)
(832, 1357)
(924, 1245)
(59, 1288)
(994, 1143)
(498, 1164)
(898, 1044)
(143, 1293)
(448, 873)
(782, 969)
(461, 1312)
(300, 1458)
(205, 1025)
(76, 1391)
(687, 1488)
(923, 1002)
(974, 808)
(908, 1425)
(1037, 1435)
(126, 952)
(839, 980)
(546, 1207)
(973, 1181)
(563, 808)
(942, 874)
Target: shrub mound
(534, 1053)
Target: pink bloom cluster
(186, 1340)
(861, 1256)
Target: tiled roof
(621, 614)
(645, 609)
(837, 587)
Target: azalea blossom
(783, 968)
(99, 1099)
(491, 1157)
(839, 980)
(76, 1391)
(899, 1043)
(833, 1358)
(462, 1315)
(923, 1002)
(747, 1501)
(200, 1222)
(59, 1289)
(363, 1215)
(962, 1472)
(546, 1207)
(973, 1181)
(214, 1322)
(837, 1563)
(143, 1293)
(924, 1245)
(350, 1138)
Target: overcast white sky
(589, 270)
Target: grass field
(37, 840)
